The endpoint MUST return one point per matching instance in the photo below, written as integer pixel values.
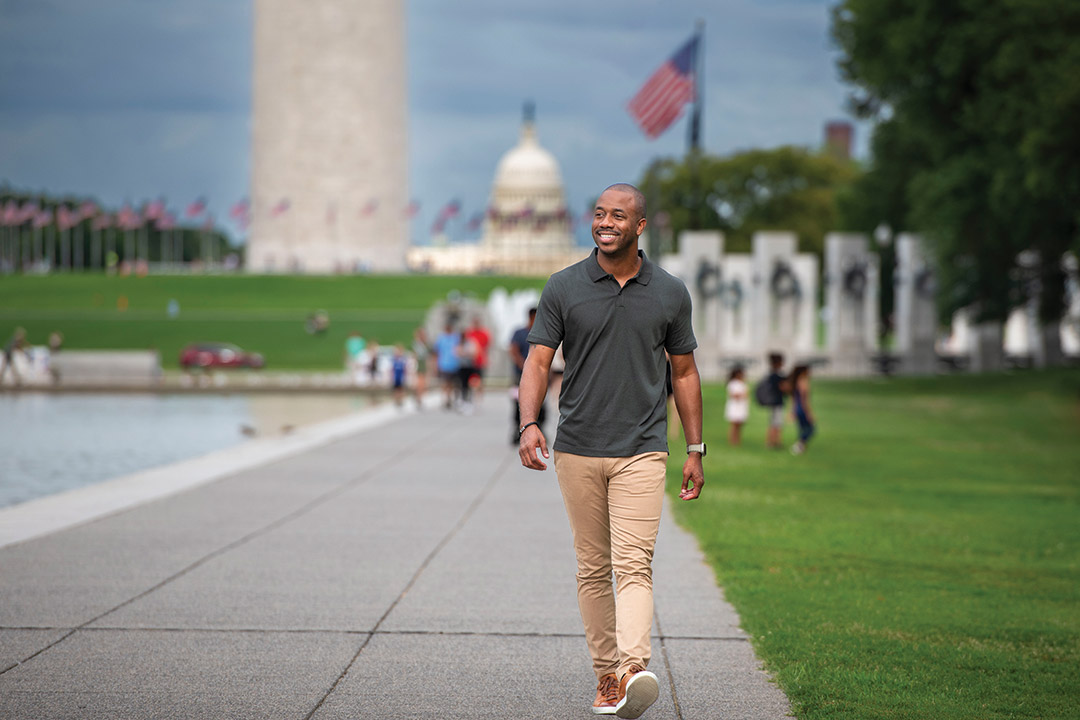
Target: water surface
(55, 442)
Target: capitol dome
(527, 227)
(527, 166)
(527, 216)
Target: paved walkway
(408, 570)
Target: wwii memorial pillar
(328, 184)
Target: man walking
(615, 314)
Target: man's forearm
(531, 390)
(687, 391)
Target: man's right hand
(529, 441)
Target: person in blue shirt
(399, 365)
(448, 358)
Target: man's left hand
(693, 477)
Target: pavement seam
(667, 666)
(345, 631)
(273, 525)
(502, 467)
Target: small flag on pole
(280, 209)
(660, 100)
(196, 208)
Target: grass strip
(258, 312)
(921, 560)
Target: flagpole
(693, 153)
(694, 137)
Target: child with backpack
(769, 393)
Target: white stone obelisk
(329, 159)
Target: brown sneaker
(607, 695)
(637, 691)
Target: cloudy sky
(127, 100)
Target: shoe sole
(641, 692)
(609, 710)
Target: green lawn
(922, 560)
(261, 313)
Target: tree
(976, 141)
(786, 188)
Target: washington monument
(328, 183)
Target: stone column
(700, 253)
(916, 313)
(851, 297)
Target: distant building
(329, 137)
(527, 229)
(838, 138)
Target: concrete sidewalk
(408, 570)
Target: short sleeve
(680, 335)
(548, 327)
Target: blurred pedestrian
(421, 351)
(519, 350)
(770, 395)
(737, 407)
(16, 343)
(615, 313)
(447, 357)
(56, 341)
(477, 339)
(800, 406)
(354, 356)
(374, 364)
(399, 367)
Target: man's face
(617, 222)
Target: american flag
(11, 213)
(128, 219)
(43, 218)
(154, 210)
(87, 210)
(369, 208)
(660, 100)
(411, 210)
(281, 208)
(29, 211)
(240, 209)
(451, 209)
(475, 222)
(167, 221)
(66, 219)
(196, 208)
(240, 213)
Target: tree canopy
(786, 188)
(976, 142)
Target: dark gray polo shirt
(614, 397)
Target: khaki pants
(614, 509)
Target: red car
(218, 355)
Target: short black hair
(639, 197)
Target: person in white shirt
(737, 409)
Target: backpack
(766, 393)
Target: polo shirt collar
(596, 273)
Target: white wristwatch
(698, 448)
